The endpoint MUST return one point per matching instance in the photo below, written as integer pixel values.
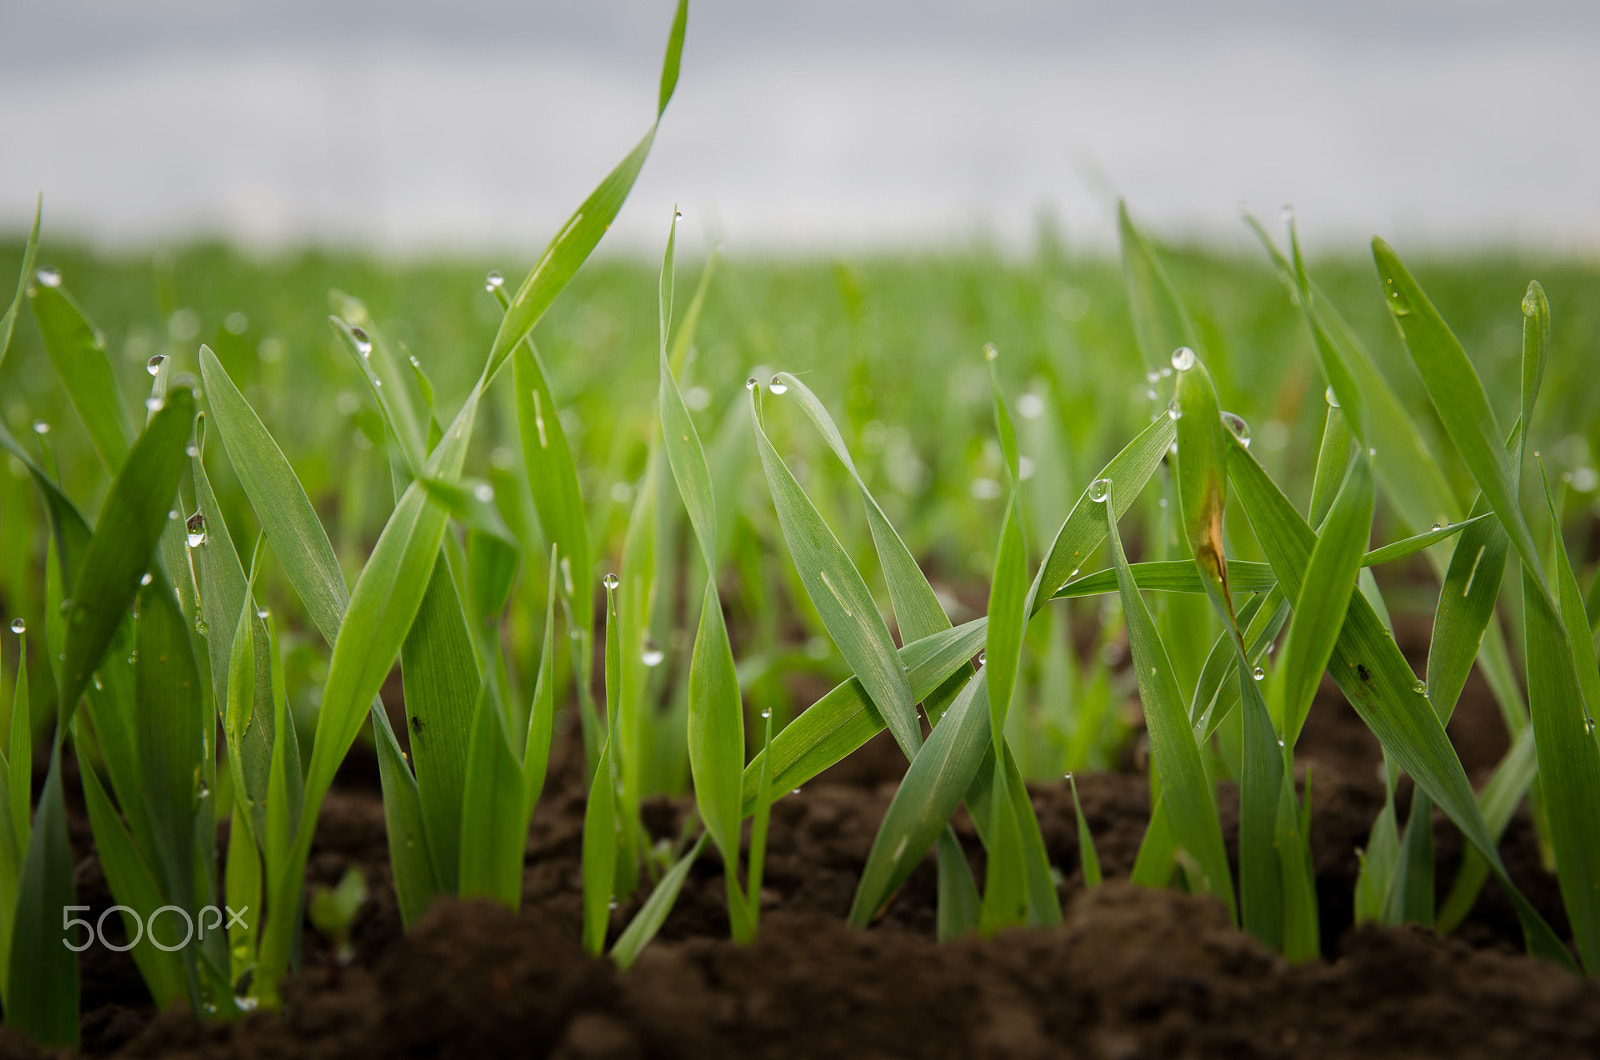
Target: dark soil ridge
(1131, 973)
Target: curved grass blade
(82, 365)
(1459, 398)
(1088, 857)
(125, 538)
(1084, 528)
(844, 719)
(841, 598)
(30, 252)
(1412, 480)
(648, 920)
(1160, 322)
(582, 232)
(1170, 576)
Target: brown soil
(1131, 973)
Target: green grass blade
(227, 594)
(170, 724)
(648, 920)
(1411, 894)
(125, 538)
(1377, 681)
(1563, 688)
(492, 836)
(844, 719)
(1411, 478)
(19, 753)
(932, 788)
(242, 890)
(30, 252)
(279, 501)
(415, 884)
(1324, 596)
(841, 598)
(1190, 802)
(541, 716)
(43, 980)
(1169, 576)
(1333, 461)
(1084, 528)
(1261, 898)
(600, 814)
(1499, 800)
(960, 908)
(582, 232)
(441, 681)
(1459, 398)
(1160, 322)
(84, 369)
(1088, 857)
(1410, 546)
(133, 884)
(1302, 934)
(1007, 620)
(1535, 355)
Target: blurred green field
(891, 344)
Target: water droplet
(1099, 490)
(41, 427)
(1166, 372)
(777, 387)
(483, 492)
(191, 449)
(990, 351)
(765, 714)
(613, 903)
(197, 530)
(1074, 573)
(1025, 468)
(200, 626)
(1436, 526)
(19, 626)
(263, 613)
(154, 404)
(1420, 688)
(1067, 777)
(1331, 398)
(48, 276)
(1183, 358)
(1150, 394)
(796, 791)
(566, 576)
(172, 514)
(363, 341)
(983, 658)
(1238, 427)
(246, 1004)
(1152, 376)
(493, 281)
(1174, 413)
(98, 686)
(153, 365)
(985, 489)
(1287, 213)
(1588, 724)
(751, 384)
(651, 655)
(147, 579)
(1259, 673)
(611, 581)
(1372, 452)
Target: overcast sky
(815, 125)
